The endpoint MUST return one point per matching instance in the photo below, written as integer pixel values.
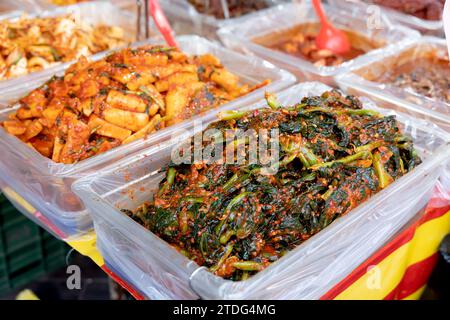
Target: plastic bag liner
(184, 18)
(46, 184)
(94, 13)
(429, 27)
(122, 4)
(158, 271)
(362, 80)
(9, 6)
(241, 34)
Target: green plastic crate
(55, 263)
(26, 250)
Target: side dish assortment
(237, 220)
(129, 94)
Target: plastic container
(360, 82)
(128, 7)
(91, 12)
(26, 251)
(46, 185)
(7, 6)
(185, 19)
(159, 272)
(241, 34)
(428, 27)
(46, 4)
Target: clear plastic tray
(91, 12)
(125, 4)
(47, 4)
(46, 184)
(359, 81)
(429, 27)
(240, 35)
(7, 6)
(184, 18)
(159, 272)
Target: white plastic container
(46, 184)
(360, 82)
(159, 272)
(185, 19)
(241, 34)
(8, 6)
(130, 5)
(91, 12)
(428, 27)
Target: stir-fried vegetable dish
(237, 220)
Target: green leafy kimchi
(236, 219)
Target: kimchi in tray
(129, 94)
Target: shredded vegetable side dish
(129, 94)
(33, 44)
(236, 221)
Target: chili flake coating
(236, 221)
(131, 93)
